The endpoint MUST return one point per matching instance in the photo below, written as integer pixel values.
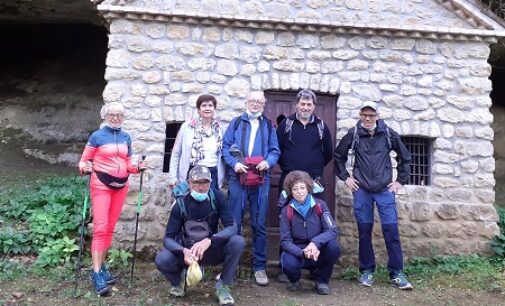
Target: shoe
(101, 287)
(399, 279)
(294, 286)
(109, 278)
(261, 278)
(282, 278)
(322, 288)
(366, 278)
(223, 294)
(177, 291)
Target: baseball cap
(199, 173)
(370, 104)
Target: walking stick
(139, 204)
(81, 235)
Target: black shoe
(282, 278)
(322, 288)
(294, 286)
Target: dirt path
(152, 289)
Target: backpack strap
(290, 213)
(182, 207)
(317, 208)
(320, 128)
(388, 137)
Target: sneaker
(282, 278)
(399, 279)
(322, 288)
(223, 294)
(366, 278)
(101, 287)
(261, 278)
(294, 286)
(109, 278)
(177, 291)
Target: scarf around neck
(197, 153)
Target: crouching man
(191, 234)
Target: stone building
(423, 61)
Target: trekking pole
(139, 204)
(81, 235)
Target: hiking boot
(322, 288)
(294, 286)
(223, 294)
(261, 278)
(366, 278)
(282, 278)
(109, 278)
(399, 279)
(101, 287)
(177, 291)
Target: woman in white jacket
(199, 142)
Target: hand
(172, 185)
(88, 168)
(240, 168)
(188, 256)
(394, 186)
(200, 247)
(311, 251)
(352, 183)
(142, 164)
(263, 166)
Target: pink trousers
(106, 205)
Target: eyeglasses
(371, 116)
(299, 188)
(201, 184)
(256, 101)
(118, 115)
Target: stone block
(421, 211)
(177, 32)
(448, 211)
(479, 212)
(433, 230)
(333, 41)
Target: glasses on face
(115, 115)
(201, 183)
(371, 116)
(256, 101)
(299, 188)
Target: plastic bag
(194, 274)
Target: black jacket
(196, 211)
(304, 150)
(372, 165)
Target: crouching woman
(308, 234)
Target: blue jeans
(364, 212)
(257, 197)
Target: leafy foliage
(118, 258)
(47, 217)
(498, 243)
(497, 6)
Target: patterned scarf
(197, 146)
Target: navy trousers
(228, 252)
(320, 270)
(364, 213)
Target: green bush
(50, 210)
(498, 242)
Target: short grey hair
(306, 94)
(113, 105)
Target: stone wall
(438, 89)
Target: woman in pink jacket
(107, 157)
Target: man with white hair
(371, 141)
(250, 149)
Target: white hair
(111, 106)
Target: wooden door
(281, 104)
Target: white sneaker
(261, 278)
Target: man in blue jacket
(251, 135)
(192, 235)
(371, 141)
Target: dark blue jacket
(298, 233)
(302, 148)
(372, 162)
(233, 138)
(197, 211)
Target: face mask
(255, 115)
(369, 129)
(317, 188)
(199, 197)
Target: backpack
(244, 129)
(193, 230)
(320, 127)
(355, 140)
(291, 211)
